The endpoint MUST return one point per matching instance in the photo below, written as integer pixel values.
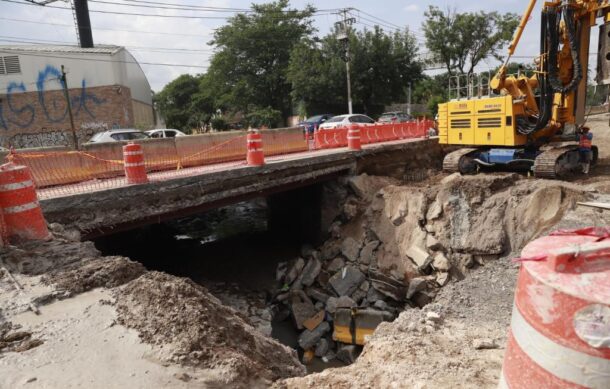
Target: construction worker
(585, 138)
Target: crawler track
(451, 163)
(548, 163)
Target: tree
(461, 40)
(176, 103)
(249, 70)
(382, 67)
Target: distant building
(107, 89)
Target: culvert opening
(240, 253)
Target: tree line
(270, 64)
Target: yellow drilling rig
(531, 122)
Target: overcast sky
(22, 22)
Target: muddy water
(229, 251)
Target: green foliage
(253, 53)
(461, 40)
(218, 123)
(268, 117)
(177, 105)
(382, 65)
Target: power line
(146, 15)
(18, 39)
(19, 52)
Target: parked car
(345, 120)
(395, 117)
(165, 133)
(118, 135)
(314, 122)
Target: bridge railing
(60, 171)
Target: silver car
(343, 121)
(118, 135)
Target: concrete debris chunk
(367, 253)
(381, 305)
(295, 270)
(418, 255)
(330, 250)
(432, 243)
(301, 308)
(309, 339)
(347, 354)
(317, 294)
(442, 278)
(387, 286)
(350, 248)
(322, 348)
(433, 317)
(314, 321)
(310, 272)
(335, 303)
(335, 265)
(358, 295)
(280, 271)
(441, 263)
(346, 281)
(416, 285)
(484, 344)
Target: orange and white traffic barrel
(560, 328)
(133, 162)
(255, 155)
(353, 138)
(21, 213)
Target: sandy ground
(85, 348)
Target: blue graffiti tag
(29, 118)
(80, 102)
(50, 73)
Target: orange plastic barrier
(255, 155)
(20, 209)
(560, 328)
(135, 168)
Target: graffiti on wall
(52, 106)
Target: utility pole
(64, 81)
(343, 36)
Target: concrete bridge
(120, 208)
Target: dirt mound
(195, 329)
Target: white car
(118, 135)
(342, 121)
(165, 133)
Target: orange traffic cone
(135, 169)
(21, 213)
(353, 138)
(255, 155)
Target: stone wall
(38, 119)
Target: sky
(184, 41)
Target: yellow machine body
(484, 122)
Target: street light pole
(344, 37)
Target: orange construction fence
(374, 133)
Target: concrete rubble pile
(393, 247)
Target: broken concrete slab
(387, 285)
(317, 294)
(309, 339)
(416, 285)
(335, 265)
(440, 262)
(367, 252)
(295, 270)
(310, 272)
(350, 248)
(335, 303)
(314, 321)
(418, 255)
(348, 354)
(322, 348)
(346, 280)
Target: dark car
(314, 122)
(394, 117)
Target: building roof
(98, 49)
